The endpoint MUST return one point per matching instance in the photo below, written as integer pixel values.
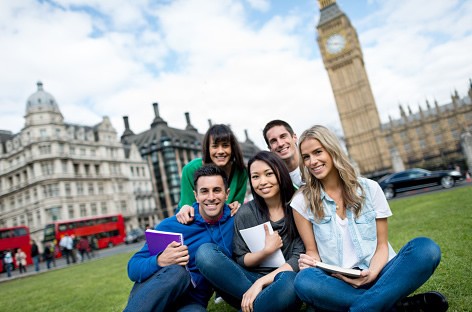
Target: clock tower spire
(344, 62)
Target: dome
(42, 101)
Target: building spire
(157, 119)
(324, 3)
(189, 124)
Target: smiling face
(264, 180)
(281, 142)
(211, 196)
(220, 153)
(317, 160)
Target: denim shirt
(329, 240)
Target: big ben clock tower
(342, 57)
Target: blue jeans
(402, 275)
(166, 290)
(36, 263)
(232, 281)
(8, 268)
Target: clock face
(335, 43)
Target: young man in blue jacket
(162, 282)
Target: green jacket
(237, 185)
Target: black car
(416, 178)
(134, 236)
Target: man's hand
(272, 241)
(234, 206)
(186, 214)
(175, 253)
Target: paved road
(432, 190)
(61, 263)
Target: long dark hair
(222, 133)
(285, 186)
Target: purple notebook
(159, 240)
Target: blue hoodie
(142, 265)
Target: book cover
(254, 238)
(159, 240)
(335, 269)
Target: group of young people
(320, 210)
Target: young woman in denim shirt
(342, 220)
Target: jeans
(36, 263)
(402, 275)
(8, 268)
(163, 291)
(232, 281)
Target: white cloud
(214, 60)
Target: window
(123, 205)
(45, 149)
(47, 168)
(97, 169)
(101, 189)
(93, 207)
(87, 169)
(104, 208)
(80, 188)
(70, 208)
(438, 138)
(90, 188)
(83, 210)
(43, 133)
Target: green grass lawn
(103, 285)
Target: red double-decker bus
(109, 230)
(12, 238)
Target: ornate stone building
(53, 170)
(428, 139)
(167, 150)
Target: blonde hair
(350, 185)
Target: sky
(237, 62)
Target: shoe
(219, 300)
(431, 301)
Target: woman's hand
(250, 295)
(186, 214)
(234, 206)
(305, 261)
(366, 277)
(272, 241)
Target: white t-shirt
(296, 177)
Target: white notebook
(254, 238)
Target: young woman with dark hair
(242, 281)
(220, 147)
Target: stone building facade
(52, 170)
